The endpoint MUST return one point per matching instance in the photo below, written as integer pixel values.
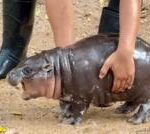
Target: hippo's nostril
(27, 71)
(13, 78)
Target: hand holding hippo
(71, 75)
(123, 68)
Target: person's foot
(7, 62)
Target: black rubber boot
(18, 18)
(109, 22)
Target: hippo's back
(86, 58)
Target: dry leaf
(2, 129)
(16, 113)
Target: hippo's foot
(72, 120)
(66, 116)
(142, 115)
(65, 110)
(72, 111)
(126, 108)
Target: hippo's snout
(27, 95)
(14, 77)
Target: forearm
(129, 24)
(60, 13)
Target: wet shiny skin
(75, 71)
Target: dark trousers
(109, 22)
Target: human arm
(121, 61)
(60, 14)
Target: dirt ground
(39, 116)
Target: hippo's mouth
(36, 85)
(34, 88)
(26, 95)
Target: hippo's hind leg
(142, 115)
(73, 111)
(126, 108)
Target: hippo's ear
(47, 67)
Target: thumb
(104, 70)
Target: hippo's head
(36, 74)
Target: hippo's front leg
(64, 109)
(73, 110)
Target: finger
(104, 70)
(118, 89)
(131, 82)
(126, 85)
(122, 85)
(116, 85)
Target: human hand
(123, 67)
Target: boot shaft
(109, 22)
(18, 19)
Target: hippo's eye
(27, 71)
(47, 68)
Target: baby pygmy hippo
(71, 76)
